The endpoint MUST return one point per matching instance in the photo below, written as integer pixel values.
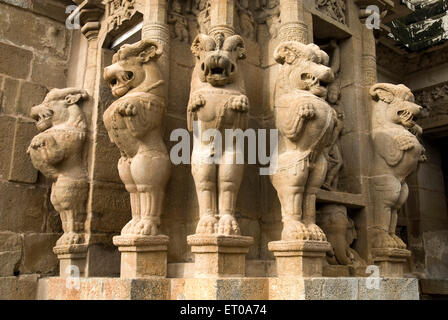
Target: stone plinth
(293, 288)
(142, 256)
(219, 255)
(72, 260)
(302, 258)
(390, 261)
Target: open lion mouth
(406, 118)
(43, 117)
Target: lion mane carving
(397, 154)
(57, 152)
(217, 101)
(134, 123)
(307, 125)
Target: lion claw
(127, 109)
(228, 225)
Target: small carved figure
(57, 152)
(270, 14)
(180, 22)
(341, 232)
(201, 9)
(217, 101)
(306, 123)
(333, 8)
(134, 124)
(397, 154)
(246, 20)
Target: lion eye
(113, 82)
(128, 75)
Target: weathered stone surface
(38, 256)
(7, 127)
(10, 92)
(21, 169)
(11, 248)
(15, 61)
(23, 208)
(31, 94)
(49, 72)
(53, 37)
(23, 287)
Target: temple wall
(34, 51)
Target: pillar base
(219, 256)
(391, 261)
(72, 260)
(142, 256)
(299, 258)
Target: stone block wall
(34, 50)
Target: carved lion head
(305, 67)
(217, 57)
(398, 101)
(126, 72)
(60, 106)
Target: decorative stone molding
(118, 12)
(397, 154)
(57, 152)
(332, 8)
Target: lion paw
(70, 238)
(400, 244)
(404, 143)
(316, 233)
(196, 101)
(147, 227)
(294, 230)
(127, 109)
(384, 240)
(129, 227)
(228, 225)
(208, 225)
(239, 103)
(306, 111)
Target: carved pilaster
(292, 26)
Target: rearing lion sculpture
(217, 102)
(307, 124)
(57, 152)
(134, 124)
(397, 155)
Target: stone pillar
(292, 21)
(222, 17)
(155, 27)
(218, 251)
(143, 249)
(297, 254)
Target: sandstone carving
(247, 26)
(397, 154)
(201, 9)
(306, 123)
(341, 232)
(179, 21)
(333, 8)
(270, 14)
(119, 11)
(134, 124)
(217, 101)
(57, 152)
